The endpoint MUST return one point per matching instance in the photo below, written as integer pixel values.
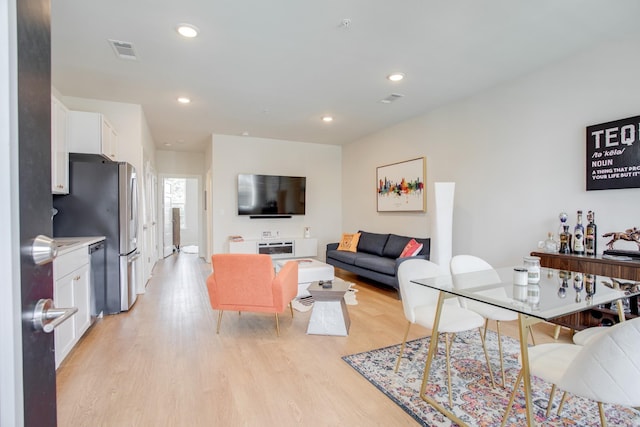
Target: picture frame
(401, 186)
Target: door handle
(46, 317)
(43, 250)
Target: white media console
(278, 248)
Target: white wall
(190, 235)
(179, 163)
(11, 389)
(321, 164)
(517, 155)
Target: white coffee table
(309, 270)
(329, 315)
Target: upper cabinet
(59, 147)
(92, 133)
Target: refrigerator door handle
(134, 207)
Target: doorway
(182, 214)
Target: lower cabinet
(277, 248)
(71, 288)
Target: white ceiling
(273, 68)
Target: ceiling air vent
(393, 97)
(123, 50)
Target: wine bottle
(578, 236)
(590, 237)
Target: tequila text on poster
(613, 155)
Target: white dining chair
(467, 264)
(420, 305)
(584, 336)
(606, 369)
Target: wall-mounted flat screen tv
(271, 195)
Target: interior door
(149, 221)
(209, 216)
(167, 218)
(25, 117)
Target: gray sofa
(377, 257)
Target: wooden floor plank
(162, 364)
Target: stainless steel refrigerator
(103, 201)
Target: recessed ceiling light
(167, 144)
(327, 119)
(187, 30)
(395, 77)
(184, 100)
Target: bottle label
(578, 242)
(589, 244)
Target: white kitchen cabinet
(59, 147)
(92, 133)
(71, 288)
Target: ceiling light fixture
(395, 77)
(184, 100)
(187, 30)
(327, 119)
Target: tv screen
(267, 195)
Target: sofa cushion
(372, 243)
(396, 244)
(376, 263)
(342, 256)
(349, 242)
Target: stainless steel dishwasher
(97, 254)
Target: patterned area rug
(474, 400)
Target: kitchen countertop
(68, 244)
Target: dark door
(34, 174)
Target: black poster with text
(613, 155)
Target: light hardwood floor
(162, 364)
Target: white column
(442, 223)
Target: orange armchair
(248, 282)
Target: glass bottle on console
(563, 221)
(591, 235)
(565, 240)
(578, 236)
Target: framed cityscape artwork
(401, 186)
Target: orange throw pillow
(349, 242)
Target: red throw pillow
(413, 248)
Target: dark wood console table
(599, 266)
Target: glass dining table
(558, 293)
